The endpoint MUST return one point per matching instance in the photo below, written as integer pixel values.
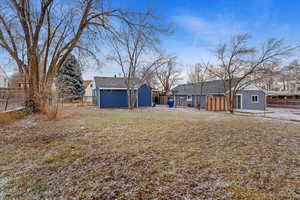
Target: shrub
(9, 117)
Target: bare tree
(195, 73)
(40, 35)
(200, 75)
(168, 74)
(238, 61)
(149, 77)
(267, 75)
(134, 49)
(272, 74)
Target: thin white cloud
(211, 31)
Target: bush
(9, 117)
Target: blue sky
(200, 25)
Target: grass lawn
(93, 154)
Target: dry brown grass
(53, 112)
(10, 117)
(150, 155)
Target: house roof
(86, 83)
(215, 87)
(209, 87)
(113, 82)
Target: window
(189, 98)
(254, 99)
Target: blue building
(111, 92)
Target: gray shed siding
(193, 103)
(181, 100)
(203, 102)
(247, 99)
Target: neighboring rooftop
(113, 82)
(282, 93)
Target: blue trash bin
(171, 103)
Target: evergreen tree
(69, 79)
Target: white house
(3, 79)
(88, 86)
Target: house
(88, 91)
(111, 92)
(251, 97)
(3, 79)
(17, 80)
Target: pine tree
(69, 79)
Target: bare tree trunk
(201, 91)
(232, 102)
(34, 100)
(133, 98)
(200, 100)
(128, 98)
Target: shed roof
(209, 87)
(113, 82)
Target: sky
(200, 25)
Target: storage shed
(250, 97)
(111, 92)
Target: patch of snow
(274, 113)
(82, 124)
(13, 109)
(284, 113)
(252, 111)
(3, 181)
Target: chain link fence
(11, 98)
(14, 98)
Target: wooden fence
(163, 100)
(215, 104)
(160, 100)
(284, 101)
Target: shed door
(239, 101)
(113, 98)
(144, 96)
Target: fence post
(6, 104)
